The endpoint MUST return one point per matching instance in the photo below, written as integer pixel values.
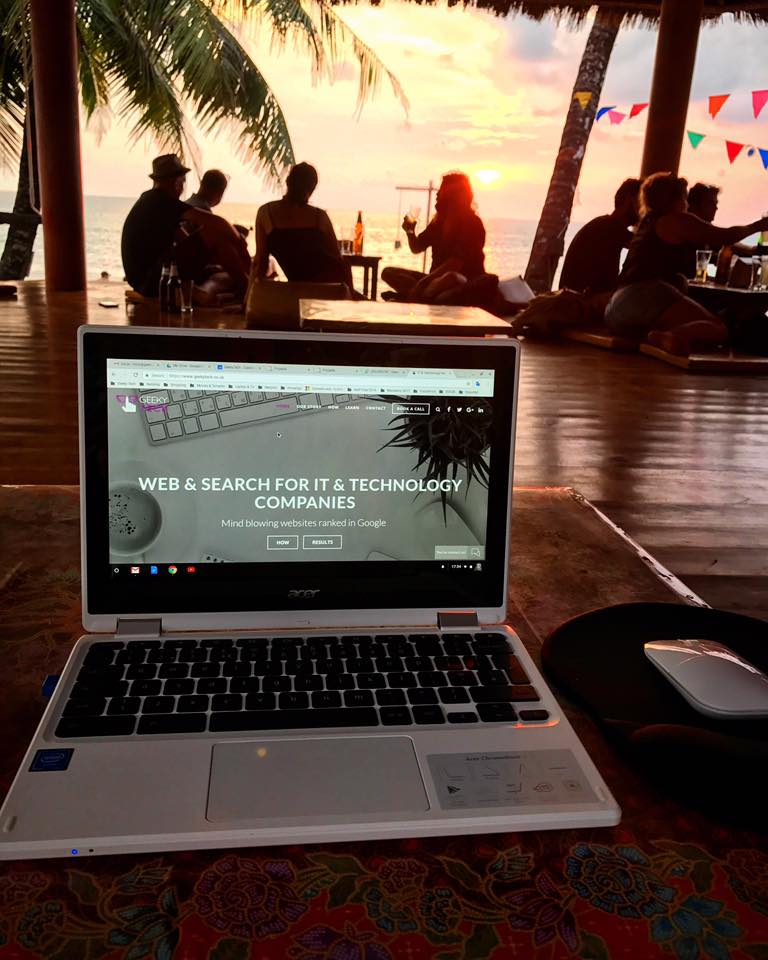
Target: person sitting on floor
(299, 236)
(591, 265)
(457, 237)
(160, 228)
(703, 201)
(210, 193)
(151, 225)
(651, 302)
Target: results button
(321, 543)
(282, 543)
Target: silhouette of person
(299, 236)
(591, 265)
(456, 235)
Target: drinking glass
(702, 263)
(186, 297)
(413, 215)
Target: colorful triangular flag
(734, 149)
(759, 100)
(716, 104)
(763, 157)
(637, 108)
(695, 138)
(615, 117)
(583, 96)
(603, 110)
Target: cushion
(274, 304)
(597, 660)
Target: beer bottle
(174, 290)
(724, 265)
(163, 292)
(357, 248)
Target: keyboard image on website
(191, 413)
(217, 684)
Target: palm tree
(556, 214)
(154, 62)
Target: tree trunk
(16, 261)
(556, 214)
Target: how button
(282, 543)
(318, 542)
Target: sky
(485, 95)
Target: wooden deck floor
(678, 460)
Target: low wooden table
(665, 883)
(392, 317)
(719, 296)
(370, 267)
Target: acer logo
(302, 594)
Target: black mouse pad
(598, 661)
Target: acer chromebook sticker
(530, 777)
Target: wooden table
(370, 267)
(662, 884)
(735, 300)
(392, 317)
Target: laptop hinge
(457, 618)
(139, 628)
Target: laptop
(294, 564)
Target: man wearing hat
(149, 228)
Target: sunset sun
(487, 176)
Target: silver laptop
(294, 562)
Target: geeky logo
(302, 594)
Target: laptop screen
(309, 471)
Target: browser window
(215, 463)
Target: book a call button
(318, 542)
(282, 543)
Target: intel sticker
(51, 760)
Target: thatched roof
(574, 11)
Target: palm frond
(13, 94)
(322, 31)
(226, 89)
(135, 64)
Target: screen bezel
(184, 601)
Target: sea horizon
(508, 240)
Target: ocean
(507, 246)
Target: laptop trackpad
(275, 779)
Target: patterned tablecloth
(666, 882)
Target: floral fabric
(666, 883)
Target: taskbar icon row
(153, 569)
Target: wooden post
(57, 121)
(671, 89)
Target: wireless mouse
(712, 678)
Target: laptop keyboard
(221, 685)
(194, 412)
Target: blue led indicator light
(74, 853)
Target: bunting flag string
(732, 148)
(715, 103)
